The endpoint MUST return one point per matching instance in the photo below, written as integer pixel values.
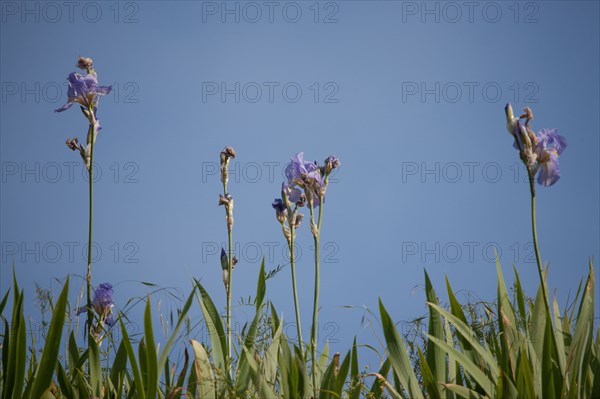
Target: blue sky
(409, 95)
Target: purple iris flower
(83, 90)
(298, 167)
(304, 174)
(102, 303)
(549, 146)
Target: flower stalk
(88, 276)
(539, 153)
(535, 240)
(227, 200)
(294, 289)
(307, 183)
(85, 91)
(315, 229)
(284, 213)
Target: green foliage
(14, 350)
(515, 347)
(534, 352)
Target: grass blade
(204, 374)
(398, 355)
(152, 368)
(45, 370)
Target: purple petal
(295, 168)
(110, 320)
(103, 90)
(293, 194)
(64, 107)
(517, 133)
(90, 81)
(549, 171)
(317, 177)
(317, 200)
(289, 172)
(75, 81)
(550, 139)
(278, 205)
(103, 296)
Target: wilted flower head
(84, 90)
(297, 220)
(73, 144)
(528, 113)
(103, 304)
(226, 199)
(228, 152)
(85, 63)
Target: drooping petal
(103, 90)
(110, 319)
(549, 171)
(293, 193)
(64, 107)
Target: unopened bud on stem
(227, 154)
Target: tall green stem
(293, 266)
(535, 240)
(88, 277)
(313, 330)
